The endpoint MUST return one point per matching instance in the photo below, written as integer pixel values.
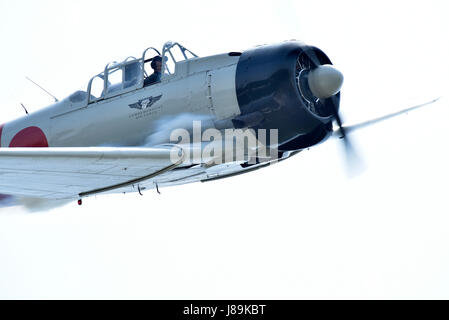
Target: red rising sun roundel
(29, 137)
(1, 129)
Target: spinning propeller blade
(324, 82)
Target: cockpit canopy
(173, 52)
(122, 77)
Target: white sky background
(299, 229)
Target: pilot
(156, 64)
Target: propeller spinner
(325, 81)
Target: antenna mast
(26, 111)
(56, 99)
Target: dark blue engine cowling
(269, 95)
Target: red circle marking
(29, 137)
(1, 129)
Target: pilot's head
(156, 63)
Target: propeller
(324, 82)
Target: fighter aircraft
(117, 136)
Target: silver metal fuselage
(200, 86)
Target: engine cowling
(272, 85)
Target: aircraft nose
(325, 81)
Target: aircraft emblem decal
(145, 103)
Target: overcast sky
(298, 229)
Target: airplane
(117, 136)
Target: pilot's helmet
(155, 59)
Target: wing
(70, 173)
